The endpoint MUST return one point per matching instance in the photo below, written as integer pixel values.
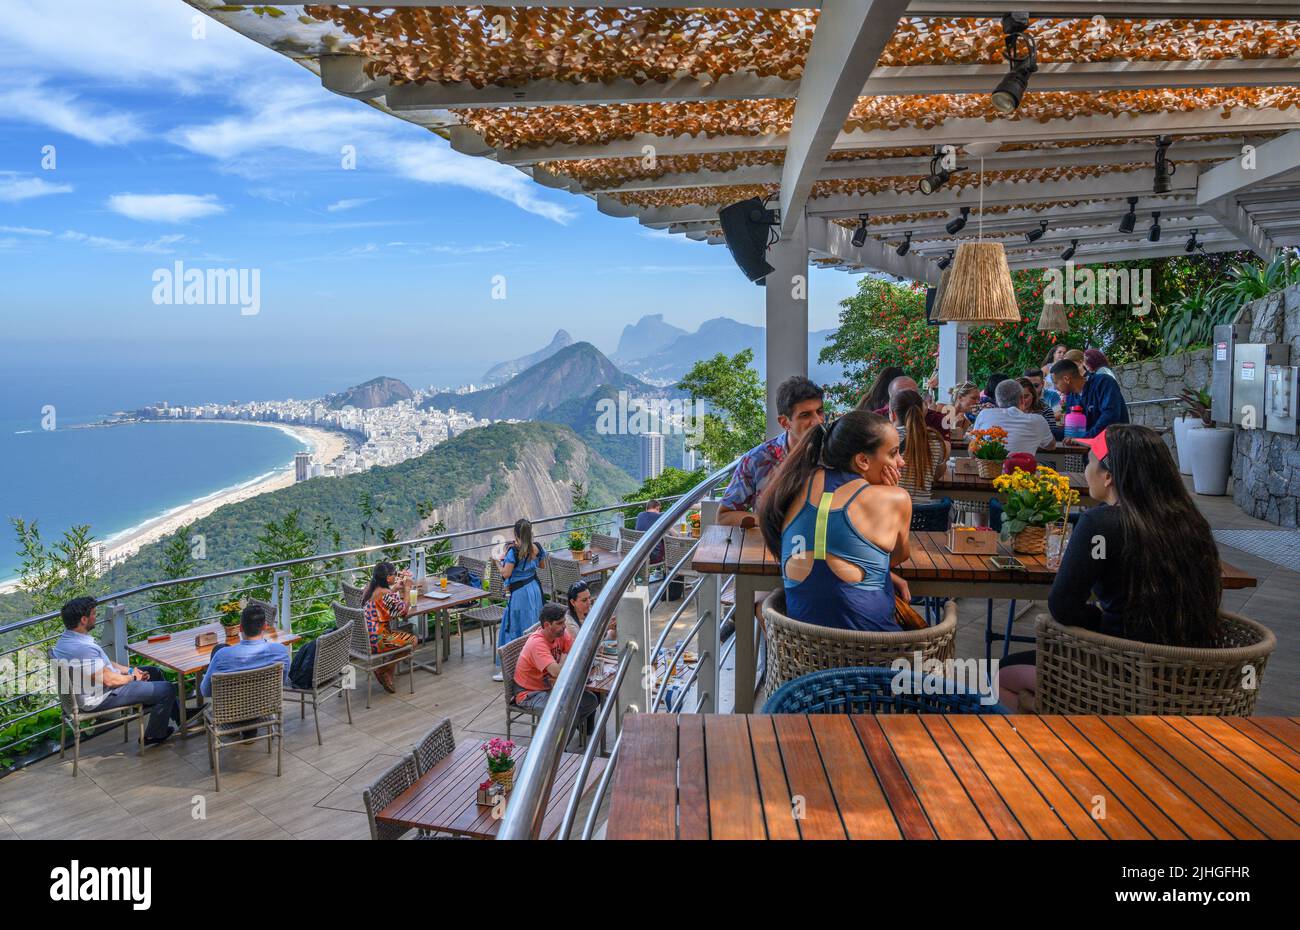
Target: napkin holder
(968, 540)
(205, 640)
(966, 465)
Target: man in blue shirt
(99, 683)
(648, 518)
(253, 650)
(1098, 395)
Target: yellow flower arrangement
(1034, 499)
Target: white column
(953, 349)
(787, 315)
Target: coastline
(324, 445)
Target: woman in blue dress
(519, 570)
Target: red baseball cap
(1097, 444)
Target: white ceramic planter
(1211, 453)
(1181, 426)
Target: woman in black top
(1145, 553)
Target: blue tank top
(823, 598)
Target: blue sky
(220, 153)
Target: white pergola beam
(832, 241)
(985, 9)
(848, 41)
(1270, 160)
(1233, 217)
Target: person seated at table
(1031, 402)
(99, 683)
(933, 417)
(989, 396)
(253, 650)
(519, 568)
(965, 400)
(877, 395)
(646, 519)
(540, 662)
(383, 603)
(1095, 361)
(1145, 553)
(1050, 397)
(840, 523)
(1026, 432)
(1099, 396)
(579, 598)
(799, 406)
(925, 454)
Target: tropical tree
(177, 605)
(736, 420)
(285, 540)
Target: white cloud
(15, 187)
(165, 208)
(160, 246)
(349, 203)
(24, 231)
(55, 108)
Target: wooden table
(930, 570)
(457, 595)
(607, 561)
(445, 797)
(1053, 456)
(975, 488)
(179, 654)
(956, 777)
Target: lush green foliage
(671, 482)
(177, 605)
(1191, 319)
(736, 420)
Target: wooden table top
(445, 798)
(180, 654)
(607, 561)
(733, 550)
(951, 481)
(897, 776)
(458, 595)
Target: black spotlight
(860, 234)
(1153, 234)
(1192, 244)
(1070, 250)
(1035, 234)
(1164, 167)
(747, 228)
(1129, 219)
(958, 223)
(1022, 58)
(945, 261)
(905, 245)
(936, 179)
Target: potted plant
(1033, 500)
(230, 612)
(1209, 447)
(577, 546)
(695, 523)
(1195, 407)
(989, 447)
(501, 761)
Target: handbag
(907, 616)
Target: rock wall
(1159, 378)
(1266, 466)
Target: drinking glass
(1057, 540)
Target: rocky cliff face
(377, 392)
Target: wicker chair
(328, 674)
(381, 793)
(629, 539)
(932, 517)
(352, 595)
(72, 716)
(564, 573)
(1082, 672)
(243, 701)
(359, 652)
(872, 691)
(433, 747)
(796, 648)
(268, 609)
(488, 613)
(675, 549)
(509, 659)
(605, 541)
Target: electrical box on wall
(1281, 398)
(1250, 364)
(1226, 337)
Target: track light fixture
(1070, 250)
(1153, 234)
(860, 234)
(937, 177)
(1022, 59)
(1129, 220)
(1192, 244)
(958, 223)
(1035, 234)
(905, 245)
(946, 261)
(1164, 167)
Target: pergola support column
(787, 314)
(954, 340)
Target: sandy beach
(326, 446)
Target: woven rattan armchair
(875, 691)
(244, 701)
(675, 549)
(381, 793)
(509, 659)
(72, 716)
(487, 615)
(359, 652)
(564, 574)
(630, 538)
(352, 595)
(605, 541)
(434, 746)
(796, 648)
(329, 674)
(1083, 672)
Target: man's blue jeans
(158, 695)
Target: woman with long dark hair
(1145, 553)
(1054, 355)
(838, 524)
(925, 454)
(878, 395)
(519, 570)
(382, 602)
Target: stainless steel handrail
(523, 817)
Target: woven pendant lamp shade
(938, 293)
(979, 286)
(1053, 319)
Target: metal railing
(532, 791)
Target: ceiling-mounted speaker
(746, 227)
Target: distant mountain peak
(504, 371)
(377, 392)
(647, 336)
